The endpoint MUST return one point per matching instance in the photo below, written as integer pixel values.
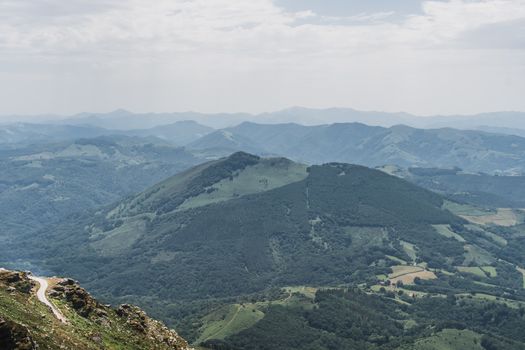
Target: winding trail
(41, 295)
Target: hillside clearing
(229, 320)
(504, 217)
(446, 231)
(481, 271)
(477, 256)
(494, 237)
(264, 176)
(449, 339)
(407, 274)
(410, 249)
(465, 209)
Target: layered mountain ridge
(374, 146)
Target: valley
(239, 251)
(269, 237)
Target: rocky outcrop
(80, 300)
(16, 280)
(27, 325)
(15, 337)
(140, 322)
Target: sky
(421, 57)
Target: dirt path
(407, 273)
(226, 325)
(290, 294)
(41, 295)
(233, 318)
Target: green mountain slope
(42, 184)
(179, 133)
(375, 146)
(26, 133)
(478, 189)
(244, 223)
(20, 134)
(26, 323)
(352, 319)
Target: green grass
(490, 270)
(481, 271)
(498, 239)
(170, 187)
(263, 176)
(449, 339)
(410, 249)
(465, 209)
(445, 230)
(477, 256)
(504, 217)
(121, 238)
(308, 292)
(510, 303)
(229, 320)
(382, 277)
(50, 334)
(472, 270)
(232, 319)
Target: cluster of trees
(351, 319)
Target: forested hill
(245, 248)
(244, 223)
(41, 184)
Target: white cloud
(235, 42)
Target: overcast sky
(423, 57)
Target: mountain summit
(243, 223)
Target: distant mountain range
(126, 120)
(12, 135)
(506, 122)
(177, 133)
(374, 146)
(405, 146)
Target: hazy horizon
(252, 117)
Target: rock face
(28, 324)
(139, 321)
(87, 306)
(16, 280)
(15, 337)
(78, 298)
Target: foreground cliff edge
(74, 320)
